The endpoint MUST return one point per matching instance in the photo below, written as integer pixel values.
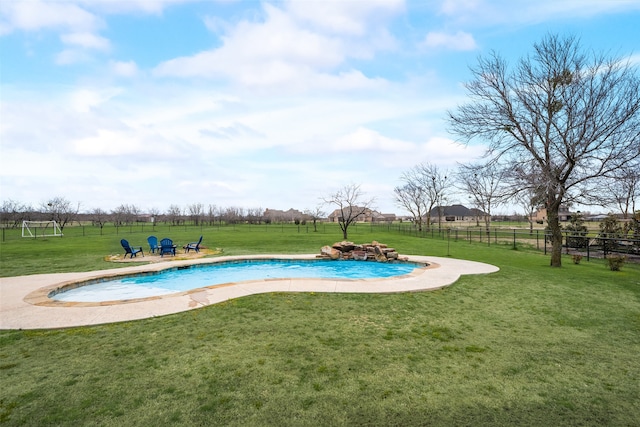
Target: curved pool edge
(46, 296)
(24, 302)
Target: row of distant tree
(64, 212)
(492, 185)
(425, 187)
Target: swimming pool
(187, 278)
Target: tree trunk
(556, 234)
(344, 228)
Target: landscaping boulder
(379, 255)
(330, 252)
(344, 246)
(391, 255)
(374, 251)
(359, 255)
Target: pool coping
(24, 301)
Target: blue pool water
(198, 276)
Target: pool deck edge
(23, 302)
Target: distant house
(145, 218)
(456, 213)
(563, 214)
(389, 217)
(290, 215)
(369, 215)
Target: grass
(529, 345)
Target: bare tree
(624, 189)
(233, 214)
(125, 214)
(315, 214)
(174, 214)
(436, 183)
(424, 189)
(99, 217)
(525, 186)
(61, 211)
(350, 204)
(212, 212)
(575, 115)
(12, 213)
(255, 215)
(412, 197)
(133, 213)
(529, 201)
(484, 183)
(119, 215)
(155, 215)
(196, 212)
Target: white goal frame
(41, 228)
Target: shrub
(616, 262)
(577, 232)
(610, 230)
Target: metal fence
(87, 230)
(589, 245)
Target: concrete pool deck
(24, 302)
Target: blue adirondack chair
(193, 246)
(167, 247)
(128, 250)
(153, 244)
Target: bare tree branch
(350, 204)
(575, 116)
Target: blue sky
(251, 104)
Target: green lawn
(529, 345)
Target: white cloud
(71, 56)
(349, 81)
(86, 40)
(107, 143)
(153, 7)
(261, 53)
(482, 13)
(458, 41)
(322, 93)
(634, 59)
(345, 17)
(215, 24)
(135, 148)
(447, 152)
(363, 139)
(35, 15)
(124, 68)
(84, 100)
(283, 51)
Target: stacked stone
(373, 251)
